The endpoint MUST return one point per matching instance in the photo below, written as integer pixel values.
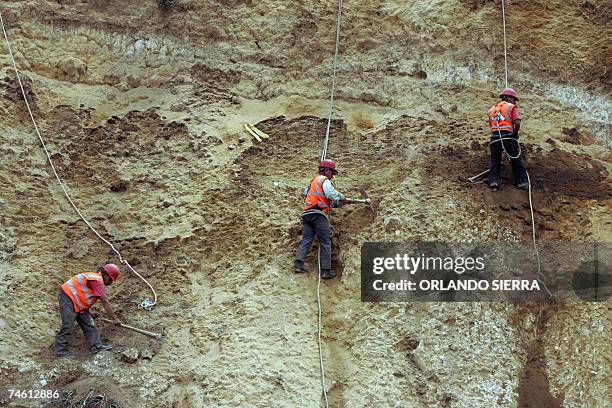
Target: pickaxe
(473, 178)
(145, 332)
(366, 199)
(358, 201)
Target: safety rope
(323, 156)
(533, 228)
(147, 303)
(505, 46)
(333, 89)
(501, 139)
(319, 324)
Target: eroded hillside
(143, 109)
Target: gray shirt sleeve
(331, 193)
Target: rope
(319, 324)
(533, 229)
(147, 303)
(533, 235)
(333, 89)
(323, 156)
(505, 47)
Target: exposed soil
(564, 187)
(534, 391)
(534, 388)
(143, 112)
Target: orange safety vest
(316, 196)
(500, 117)
(77, 290)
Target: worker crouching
(76, 297)
(321, 196)
(505, 122)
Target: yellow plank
(252, 133)
(259, 132)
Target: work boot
(65, 354)
(299, 267)
(327, 274)
(523, 186)
(100, 347)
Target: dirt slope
(142, 110)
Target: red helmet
(112, 270)
(509, 92)
(328, 164)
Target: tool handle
(146, 333)
(357, 201)
(473, 178)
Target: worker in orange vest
(321, 196)
(505, 122)
(76, 297)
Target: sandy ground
(143, 110)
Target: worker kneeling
(76, 297)
(321, 196)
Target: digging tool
(474, 178)
(357, 201)
(364, 194)
(137, 330)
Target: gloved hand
(116, 322)
(94, 314)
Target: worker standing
(76, 297)
(321, 196)
(505, 122)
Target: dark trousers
(69, 316)
(518, 168)
(316, 224)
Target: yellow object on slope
(256, 133)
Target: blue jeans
(518, 168)
(315, 224)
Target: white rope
(319, 324)
(323, 156)
(533, 228)
(333, 89)
(533, 235)
(147, 303)
(505, 47)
